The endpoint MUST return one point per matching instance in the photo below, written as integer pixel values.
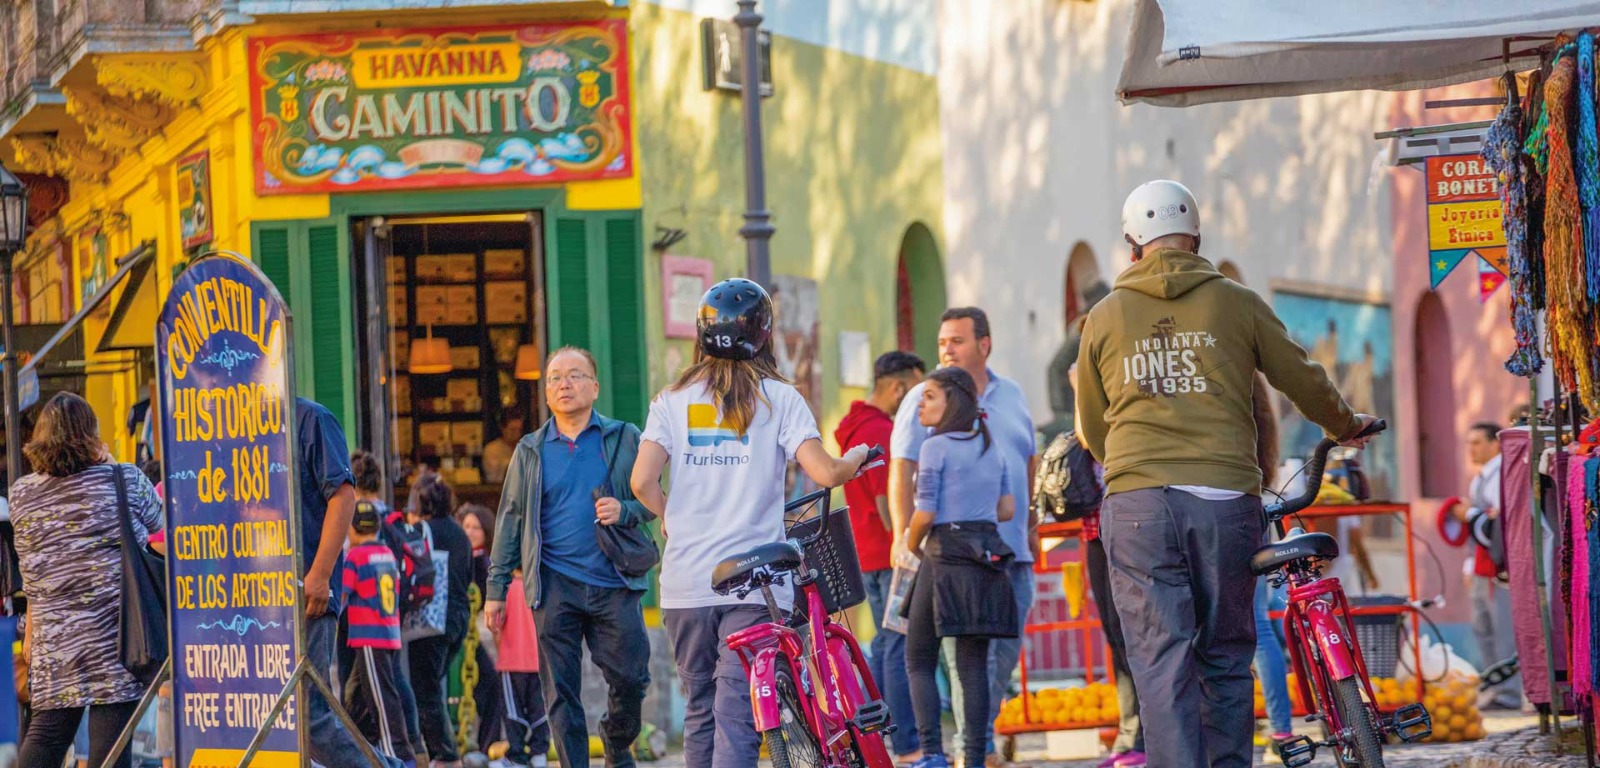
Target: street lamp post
(13, 232)
(757, 230)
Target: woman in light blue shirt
(961, 496)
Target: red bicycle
(1322, 648)
(815, 703)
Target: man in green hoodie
(1164, 404)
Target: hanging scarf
(1502, 149)
(1563, 248)
(1588, 166)
(1577, 547)
(1534, 127)
(1591, 487)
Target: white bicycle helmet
(1160, 208)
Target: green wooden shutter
(627, 378)
(272, 255)
(310, 265)
(569, 284)
(331, 344)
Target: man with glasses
(565, 478)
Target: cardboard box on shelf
(433, 268)
(506, 301)
(397, 269)
(464, 358)
(399, 310)
(467, 437)
(504, 262)
(402, 394)
(433, 305)
(461, 268)
(462, 304)
(402, 435)
(400, 342)
(435, 435)
(461, 390)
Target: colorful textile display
(1570, 344)
(1502, 149)
(1517, 512)
(1581, 597)
(1588, 165)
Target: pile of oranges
(1085, 707)
(1452, 702)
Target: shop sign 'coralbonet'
(410, 108)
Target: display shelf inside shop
(1034, 721)
(473, 285)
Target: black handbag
(142, 633)
(628, 547)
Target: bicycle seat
(1297, 546)
(735, 571)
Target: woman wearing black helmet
(728, 426)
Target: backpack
(414, 557)
(1067, 486)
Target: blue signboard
(227, 435)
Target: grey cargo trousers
(1180, 574)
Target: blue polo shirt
(572, 470)
(1011, 427)
(324, 460)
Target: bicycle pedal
(872, 717)
(1297, 752)
(1413, 723)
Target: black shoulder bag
(628, 547)
(142, 633)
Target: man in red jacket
(870, 423)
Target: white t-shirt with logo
(726, 494)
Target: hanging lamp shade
(528, 363)
(430, 355)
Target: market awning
(1186, 52)
(139, 256)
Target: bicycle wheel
(1357, 719)
(791, 744)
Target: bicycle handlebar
(873, 460)
(1319, 461)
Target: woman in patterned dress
(68, 537)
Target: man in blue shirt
(327, 502)
(564, 479)
(964, 342)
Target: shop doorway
(1439, 449)
(452, 339)
(919, 296)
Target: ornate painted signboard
(390, 109)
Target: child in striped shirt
(370, 582)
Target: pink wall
(1481, 339)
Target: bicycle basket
(1378, 634)
(833, 556)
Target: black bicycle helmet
(735, 319)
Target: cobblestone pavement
(1513, 742)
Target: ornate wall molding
(116, 124)
(73, 159)
(46, 195)
(174, 80)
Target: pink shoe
(1111, 760)
(1130, 760)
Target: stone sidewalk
(1513, 742)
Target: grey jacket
(516, 528)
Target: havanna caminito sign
(405, 108)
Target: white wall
(1039, 155)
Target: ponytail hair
(962, 416)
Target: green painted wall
(853, 161)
